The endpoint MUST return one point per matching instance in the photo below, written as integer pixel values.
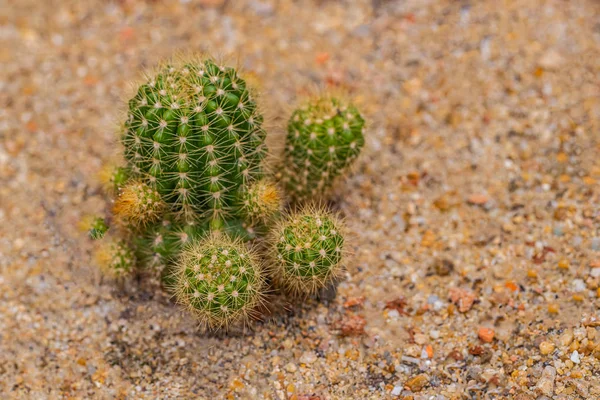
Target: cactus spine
(324, 137)
(308, 249)
(220, 281)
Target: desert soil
(474, 208)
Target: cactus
(96, 227)
(115, 258)
(308, 251)
(113, 178)
(159, 245)
(193, 190)
(195, 135)
(261, 202)
(323, 139)
(138, 204)
(220, 281)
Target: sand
(474, 208)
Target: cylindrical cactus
(194, 134)
(324, 137)
(220, 281)
(308, 250)
(115, 258)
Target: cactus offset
(138, 204)
(194, 134)
(96, 227)
(115, 258)
(261, 201)
(220, 281)
(308, 249)
(159, 245)
(323, 139)
(113, 178)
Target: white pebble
(575, 357)
(578, 285)
(308, 357)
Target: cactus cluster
(193, 193)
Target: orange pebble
(429, 351)
(486, 334)
(512, 286)
(322, 58)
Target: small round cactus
(324, 137)
(220, 281)
(308, 249)
(96, 227)
(261, 202)
(138, 204)
(113, 178)
(194, 134)
(115, 258)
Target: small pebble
(546, 347)
(417, 383)
(396, 390)
(486, 334)
(291, 367)
(545, 385)
(578, 285)
(308, 357)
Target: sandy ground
(476, 268)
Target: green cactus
(115, 258)
(138, 204)
(113, 178)
(159, 245)
(194, 134)
(324, 137)
(261, 202)
(308, 251)
(220, 281)
(95, 226)
(193, 190)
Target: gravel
(474, 207)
